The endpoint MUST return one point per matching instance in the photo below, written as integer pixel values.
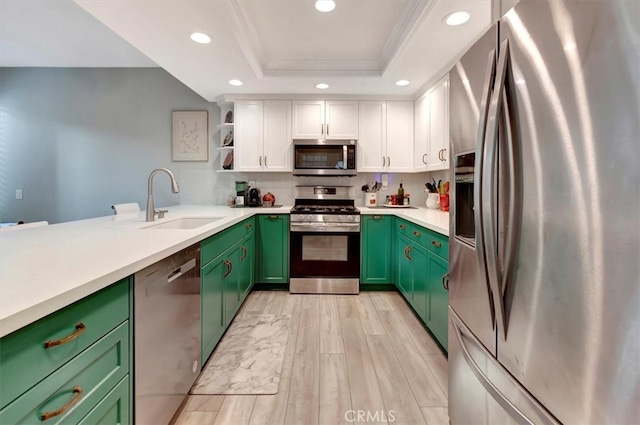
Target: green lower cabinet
(114, 409)
(438, 312)
(376, 246)
(212, 280)
(247, 266)
(272, 248)
(421, 275)
(404, 266)
(231, 279)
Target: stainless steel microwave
(324, 157)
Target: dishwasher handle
(170, 277)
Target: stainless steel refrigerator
(544, 318)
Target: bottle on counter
(400, 194)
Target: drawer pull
(229, 267)
(48, 415)
(407, 252)
(244, 252)
(80, 328)
(436, 244)
(273, 217)
(417, 234)
(249, 226)
(377, 217)
(402, 226)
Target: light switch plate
(18, 193)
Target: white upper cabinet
(317, 119)
(386, 136)
(278, 151)
(341, 119)
(263, 135)
(421, 135)
(399, 136)
(431, 143)
(372, 145)
(438, 158)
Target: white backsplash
(211, 187)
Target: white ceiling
(273, 46)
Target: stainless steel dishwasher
(166, 335)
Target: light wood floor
(346, 354)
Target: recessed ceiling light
(235, 82)
(322, 86)
(325, 5)
(402, 83)
(200, 37)
(457, 18)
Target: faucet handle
(161, 213)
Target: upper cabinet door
(248, 155)
(421, 136)
(372, 153)
(400, 136)
(341, 119)
(439, 126)
(308, 119)
(277, 136)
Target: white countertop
(44, 269)
(435, 220)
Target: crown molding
(403, 33)
(247, 37)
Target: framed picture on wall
(190, 135)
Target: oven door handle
(315, 228)
(344, 157)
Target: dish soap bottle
(400, 194)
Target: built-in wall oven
(325, 241)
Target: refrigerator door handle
(488, 183)
(514, 212)
(494, 391)
(479, 165)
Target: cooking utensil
(446, 187)
(365, 187)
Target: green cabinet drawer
(215, 245)
(77, 386)
(434, 242)
(114, 409)
(375, 261)
(26, 361)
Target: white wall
(78, 140)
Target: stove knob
(309, 217)
(349, 218)
(340, 218)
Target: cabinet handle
(402, 226)
(321, 128)
(424, 161)
(445, 281)
(388, 161)
(436, 244)
(249, 226)
(274, 217)
(77, 390)
(444, 155)
(384, 160)
(407, 251)
(260, 160)
(417, 234)
(80, 328)
(244, 252)
(227, 263)
(327, 129)
(377, 217)
(265, 160)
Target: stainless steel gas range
(325, 241)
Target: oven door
(324, 261)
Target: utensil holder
(433, 201)
(370, 199)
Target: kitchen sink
(184, 223)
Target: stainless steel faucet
(151, 212)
